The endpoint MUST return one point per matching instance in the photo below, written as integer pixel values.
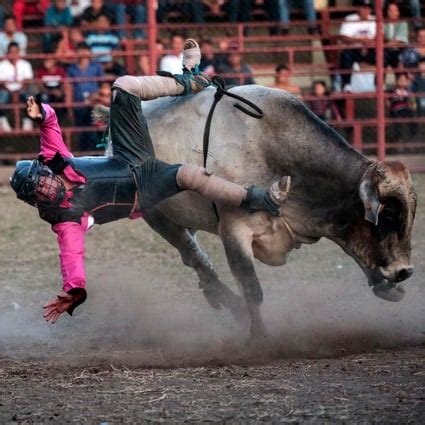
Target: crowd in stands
(84, 52)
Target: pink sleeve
(51, 142)
(51, 135)
(70, 238)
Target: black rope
(256, 113)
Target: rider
(73, 193)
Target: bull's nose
(404, 274)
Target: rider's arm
(70, 237)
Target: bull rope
(256, 113)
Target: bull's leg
(237, 241)
(216, 292)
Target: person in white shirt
(359, 31)
(10, 34)
(14, 71)
(173, 62)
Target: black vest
(109, 193)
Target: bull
(366, 207)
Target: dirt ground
(146, 347)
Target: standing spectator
(418, 86)
(358, 30)
(57, 15)
(96, 9)
(11, 34)
(396, 35)
(191, 10)
(86, 69)
(400, 104)
(283, 80)
(173, 61)
(325, 109)
(135, 9)
(51, 76)
(14, 72)
(310, 11)
(236, 66)
(103, 40)
(411, 57)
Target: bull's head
(379, 240)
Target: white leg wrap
(149, 87)
(217, 189)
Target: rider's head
(36, 184)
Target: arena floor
(147, 347)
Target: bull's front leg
(237, 239)
(215, 291)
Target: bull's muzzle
(397, 274)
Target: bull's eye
(390, 217)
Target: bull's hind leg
(216, 292)
(237, 241)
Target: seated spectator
(96, 9)
(22, 8)
(396, 35)
(11, 34)
(411, 56)
(57, 15)
(77, 8)
(236, 66)
(208, 61)
(102, 40)
(114, 68)
(51, 76)
(413, 9)
(359, 31)
(88, 70)
(14, 71)
(144, 65)
(325, 109)
(191, 10)
(135, 9)
(66, 47)
(284, 8)
(283, 80)
(173, 62)
(418, 86)
(400, 104)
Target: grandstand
(310, 54)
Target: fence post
(152, 35)
(380, 90)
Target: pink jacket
(70, 235)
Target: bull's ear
(369, 196)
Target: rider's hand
(62, 302)
(33, 110)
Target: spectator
(1, 16)
(414, 9)
(14, 71)
(96, 9)
(236, 66)
(103, 40)
(358, 30)
(190, 10)
(396, 35)
(135, 9)
(103, 95)
(77, 8)
(173, 61)
(51, 76)
(88, 70)
(208, 61)
(11, 34)
(57, 15)
(411, 57)
(66, 47)
(144, 60)
(22, 8)
(283, 80)
(418, 86)
(325, 109)
(284, 7)
(400, 104)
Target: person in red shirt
(73, 193)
